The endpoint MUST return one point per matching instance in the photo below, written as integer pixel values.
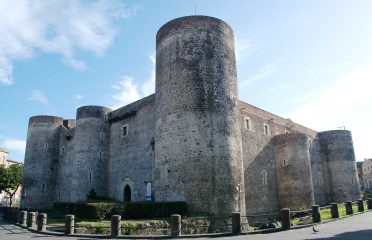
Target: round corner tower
(295, 184)
(198, 148)
(90, 152)
(337, 155)
(41, 162)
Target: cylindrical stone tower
(41, 162)
(90, 152)
(295, 184)
(338, 158)
(198, 148)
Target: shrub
(146, 210)
(92, 194)
(64, 207)
(87, 210)
(130, 210)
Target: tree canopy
(11, 179)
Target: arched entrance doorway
(127, 194)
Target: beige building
(4, 198)
(367, 173)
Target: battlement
(92, 112)
(46, 119)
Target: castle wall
(338, 158)
(197, 130)
(295, 184)
(317, 173)
(260, 170)
(66, 162)
(90, 153)
(41, 162)
(260, 179)
(132, 156)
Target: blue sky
(310, 61)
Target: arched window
(127, 194)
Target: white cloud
(149, 86)
(15, 147)
(61, 27)
(130, 91)
(39, 96)
(79, 97)
(346, 102)
(262, 73)
(242, 49)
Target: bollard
(69, 224)
(315, 212)
(42, 221)
(175, 225)
(236, 223)
(349, 208)
(369, 203)
(285, 215)
(23, 219)
(31, 220)
(360, 205)
(334, 210)
(115, 225)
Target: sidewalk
(357, 227)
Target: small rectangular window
(247, 123)
(125, 130)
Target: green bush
(64, 207)
(129, 210)
(146, 210)
(88, 210)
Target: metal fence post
(334, 210)
(349, 208)
(69, 224)
(115, 225)
(236, 223)
(175, 225)
(285, 215)
(42, 221)
(360, 205)
(315, 212)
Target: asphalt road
(353, 228)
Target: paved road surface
(353, 228)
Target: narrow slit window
(43, 186)
(266, 129)
(90, 177)
(102, 136)
(247, 123)
(46, 146)
(125, 130)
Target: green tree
(11, 179)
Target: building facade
(193, 140)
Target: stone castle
(193, 140)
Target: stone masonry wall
(132, 156)
(41, 162)
(197, 131)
